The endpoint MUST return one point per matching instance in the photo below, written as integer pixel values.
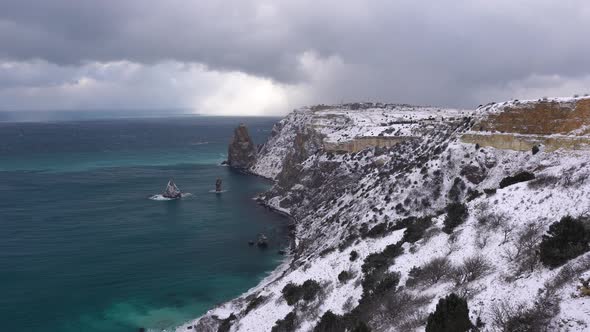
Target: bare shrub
(254, 303)
(524, 251)
(430, 273)
(481, 207)
(544, 180)
(349, 304)
(430, 233)
(481, 241)
(395, 308)
(492, 220)
(572, 178)
(568, 272)
(468, 291)
(520, 317)
(470, 270)
(536, 317)
(413, 321)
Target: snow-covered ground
(333, 197)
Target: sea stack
(218, 185)
(172, 191)
(241, 152)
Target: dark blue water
(82, 248)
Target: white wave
(159, 197)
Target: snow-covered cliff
(398, 206)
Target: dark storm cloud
(435, 52)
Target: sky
(266, 57)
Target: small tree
(451, 315)
(456, 215)
(330, 323)
(306, 292)
(520, 177)
(286, 324)
(565, 240)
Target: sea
(85, 247)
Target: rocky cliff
(520, 125)
(241, 152)
(384, 231)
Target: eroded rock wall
(361, 143)
(552, 124)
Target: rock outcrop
(241, 152)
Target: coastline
(285, 266)
(273, 276)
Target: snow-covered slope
(350, 199)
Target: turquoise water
(83, 248)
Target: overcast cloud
(266, 57)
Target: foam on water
(160, 197)
(218, 192)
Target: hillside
(396, 207)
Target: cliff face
(370, 219)
(241, 151)
(520, 125)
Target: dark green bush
(565, 240)
(330, 323)
(520, 177)
(344, 276)
(382, 260)
(375, 269)
(415, 230)
(336, 323)
(286, 324)
(361, 327)
(451, 315)
(489, 191)
(226, 323)
(326, 251)
(378, 230)
(254, 303)
(456, 215)
(388, 282)
(456, 189)
(306, 292)
(403, 223)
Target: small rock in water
(141, 329)
(172, 191)
(250, 243)
(262, 241)
(282, 252)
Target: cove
(82, 248)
